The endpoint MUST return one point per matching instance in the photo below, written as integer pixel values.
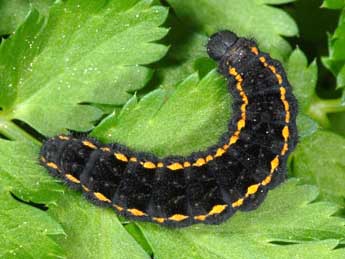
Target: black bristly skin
(207, 186)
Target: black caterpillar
(207, 186)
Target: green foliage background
(136, 72)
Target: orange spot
(245, 99)
(273, 69)
(262, 59)
(267, 180)
(239, 78)
(239, 87)
(220, 152)
(159, 220)
(209, 158)
(199, 162)
(63, 137)
(279, 78)
(133, 159)
(149, 165)
(237, 203)
(160, 164)
(286, 104)
(178, 217)
(119, 208)
(121, 157)
(53, 165)
(200, 217)
(105, 149)
(232, 71)
(243, 107)
(285, 149)
(136, 212)
(72, 178)
(175, 166)
(233, 140)
(255, 50)
(274, 164)
(89, 144)
(85, 188)
(240, 124)
(252, 189)
(186, 164)
(285, 132)
(217, 209)
(101, 197)
(287, 117)
(226, 146)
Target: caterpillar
(207, 186)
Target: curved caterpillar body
(205, 187)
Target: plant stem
(320, 108)
(13, 132)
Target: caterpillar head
(219, 43)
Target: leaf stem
(320, 108)
(13, 132)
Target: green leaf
(287, 225)
(26, 232)
(249, 18)
(337, 123)
(303, 80)
(46, 69)
(320, 109)
(178, 121)
(93, 232)
(85, 52)
(181, 115)
(187, 52)
(14, 12)
(335, 62)
(23, 176)
(275, 2)
(319, 160)
(302, 77)
(187, 49)
(333, 4)
(137, 234)
(89, 57)
(306, 126)
(157, 119)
